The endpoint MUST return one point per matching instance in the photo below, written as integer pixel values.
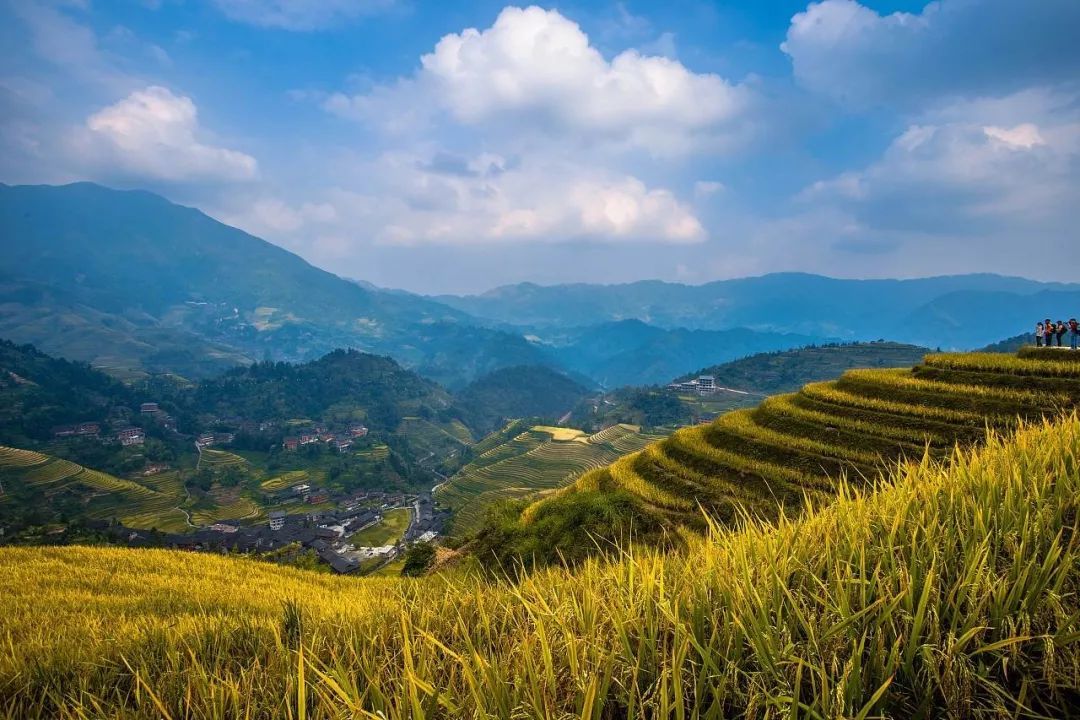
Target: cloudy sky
(456, 146)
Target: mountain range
(961, 311)
(135, 284)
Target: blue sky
(453, 147)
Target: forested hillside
(130, 281)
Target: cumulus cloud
(299, 15)
(536, 69)
(966, 179)
(483, 201)
(952, 48)
(155, 134)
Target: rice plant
(950, 590)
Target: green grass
(387, 531)
(948, 591)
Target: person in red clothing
(1048, 332)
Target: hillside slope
(939, 595)
(788, 370)
(135, 269)
(791, 448)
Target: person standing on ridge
(1048, 332)
(1038, 334)
(1074, 333)
(1060, 331)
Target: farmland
(941, 588)
(538, 459)
(796, 448)
(30, 477)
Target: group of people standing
(1047, 331)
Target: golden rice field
(32, 477)
(541, 458)
(950, 590)
(798, 445)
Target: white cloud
(481, 200)
(535, 70)
(1024, 135)
(300, 15)
(952, 48)
(965, 178)
(705, 188)
(155, 134)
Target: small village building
(342, 444)
(131, 436)
(291, 443)
(277, 519)
(149, 408)
(88, 428)
(428, 536)
(224, 527)
(358, 431)
(308, 438)
(317, 496)
(706, 383)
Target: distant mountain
(518, 392)
(780, 372)
(949, 311)
(630, 352)
(133, 272)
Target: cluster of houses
(327, 533)
(340, 440)
(304, 493)
(126, 435)
(702, 385)
(211, 439)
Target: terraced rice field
(288, 479)
(376, 453)
(34, 477)
(536, 460)
(227, 504)
(217, 459)
(796, 446)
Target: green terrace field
(386, 532)
(950, 590)
(538, 459)
(795, 448)
(30, 478)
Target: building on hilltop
(149, 408)
(706, 384)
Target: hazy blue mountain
(139, 275)
(631, 352)
(926, 311)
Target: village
(299, 519)
(327, 533)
